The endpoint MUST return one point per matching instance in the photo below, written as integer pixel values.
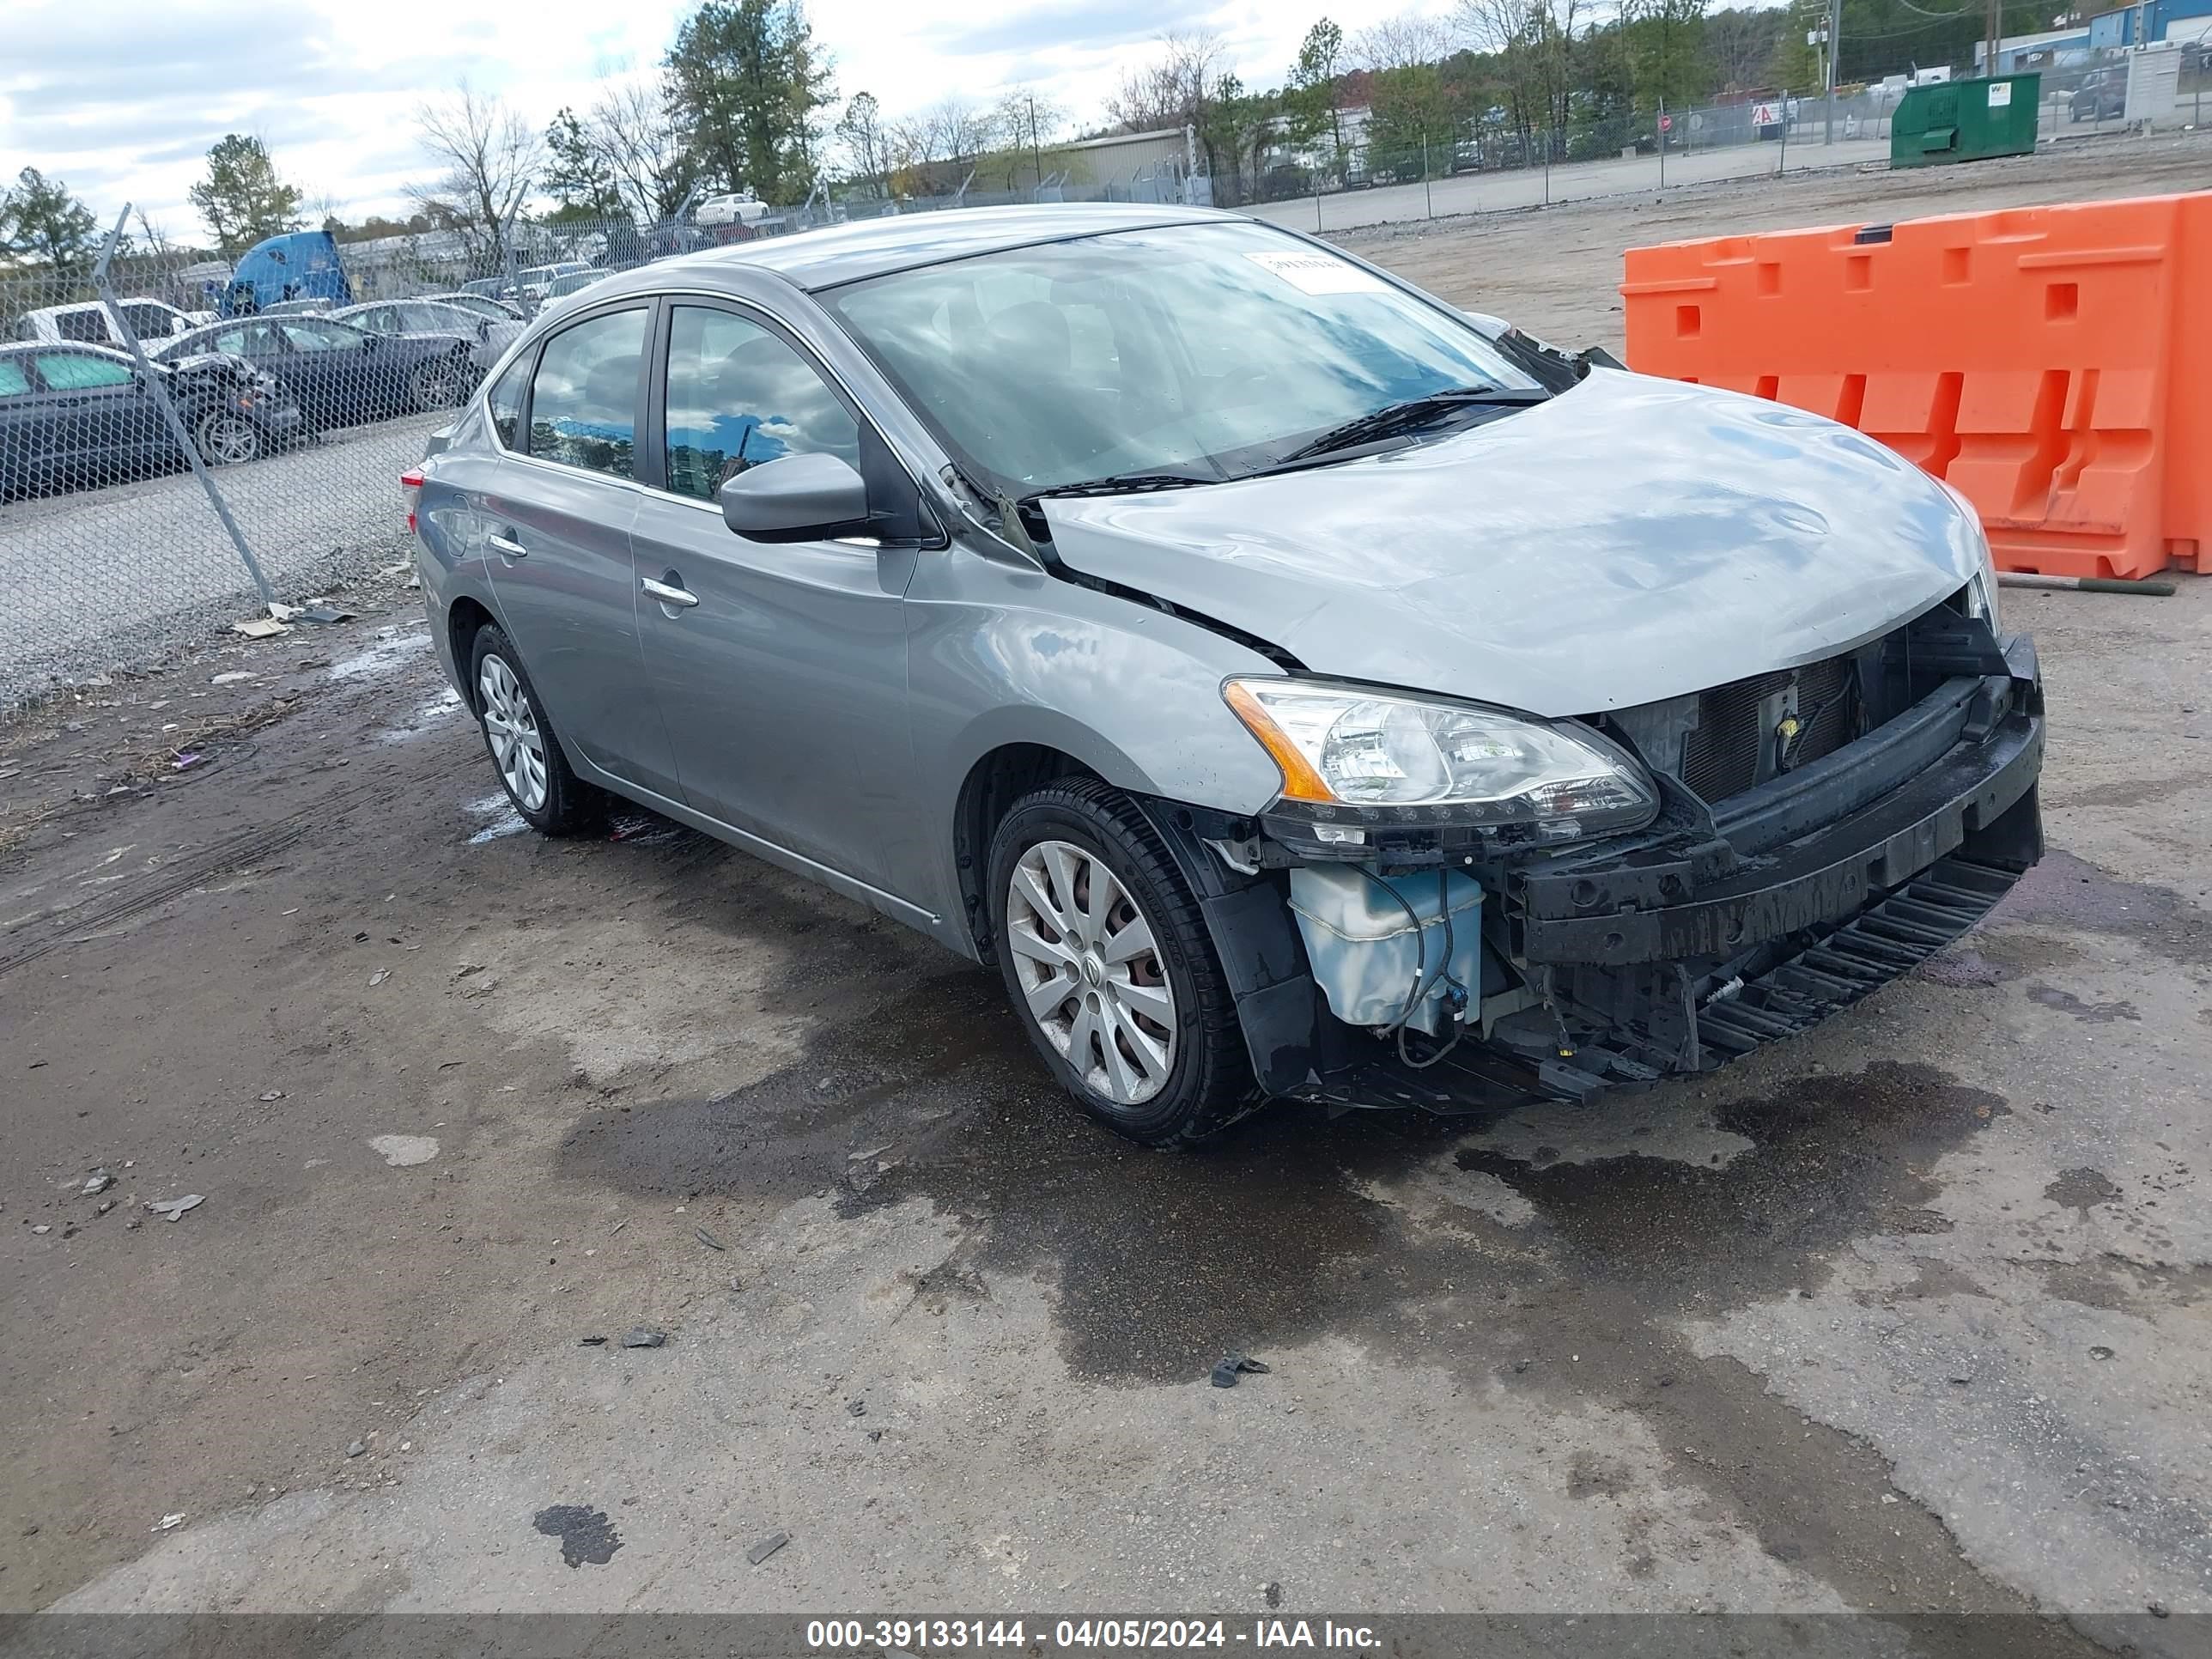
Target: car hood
(1629, 540)
(204, 362)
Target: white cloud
(121, 99)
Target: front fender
(1002, 654)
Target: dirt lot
(1911, 1314)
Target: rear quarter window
(504, 402)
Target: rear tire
(439, 384)
(1110, 967)
(526, 751)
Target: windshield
(1216, 349)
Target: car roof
(17, 348)
(860, 248)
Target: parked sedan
(575, 283)
(1293, 685)
(83, 415)
(420, 317)
(2102, 96)
(534, 281)
(340, 375)
(484, 305)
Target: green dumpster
(1966, 121)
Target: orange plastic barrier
(2054, 364)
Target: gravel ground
(111, 579)
(1907, 1316)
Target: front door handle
(667, 593)
(508, 546)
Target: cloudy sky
(122, 98)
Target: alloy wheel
(437, 386)
(1090, 970)
(518, 744)
(228, 439)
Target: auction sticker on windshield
(1318, 273)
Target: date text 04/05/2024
(915, 1635)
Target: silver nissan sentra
(1296, 687)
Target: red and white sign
(1766, 115)
(1666, 124)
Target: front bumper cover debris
(1674, 950)
(1824, 877)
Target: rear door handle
(667, 594)
(508, 546)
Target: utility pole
(1835, 44)
(1995, 27)
(1036, 150)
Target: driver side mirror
(795, 498)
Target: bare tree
(910, 142)
(490, 157)
(155, 237)
(1405, 41)
(642, 145)
(1533, 41)
(1740, 43)
(1175, 89)
(1026, 122)
(958, 128)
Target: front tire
(525, 750)
(226, 438)
(1110, 967)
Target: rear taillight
(411, 482)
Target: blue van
(302, 265)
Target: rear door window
(247, 340)
(319, 337)
(583, 399)
(88, 325)
(75, 371)
(14, 382)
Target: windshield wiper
(1413, 412)
(1124, 484)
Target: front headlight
(1343, 746)
(1982, 585)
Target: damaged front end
(1811, 834)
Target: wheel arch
(1247, 916)
(999, 777)
(465, 618)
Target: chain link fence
(1492, 165)
(191, 439)
(116, 419)
(188, 439)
